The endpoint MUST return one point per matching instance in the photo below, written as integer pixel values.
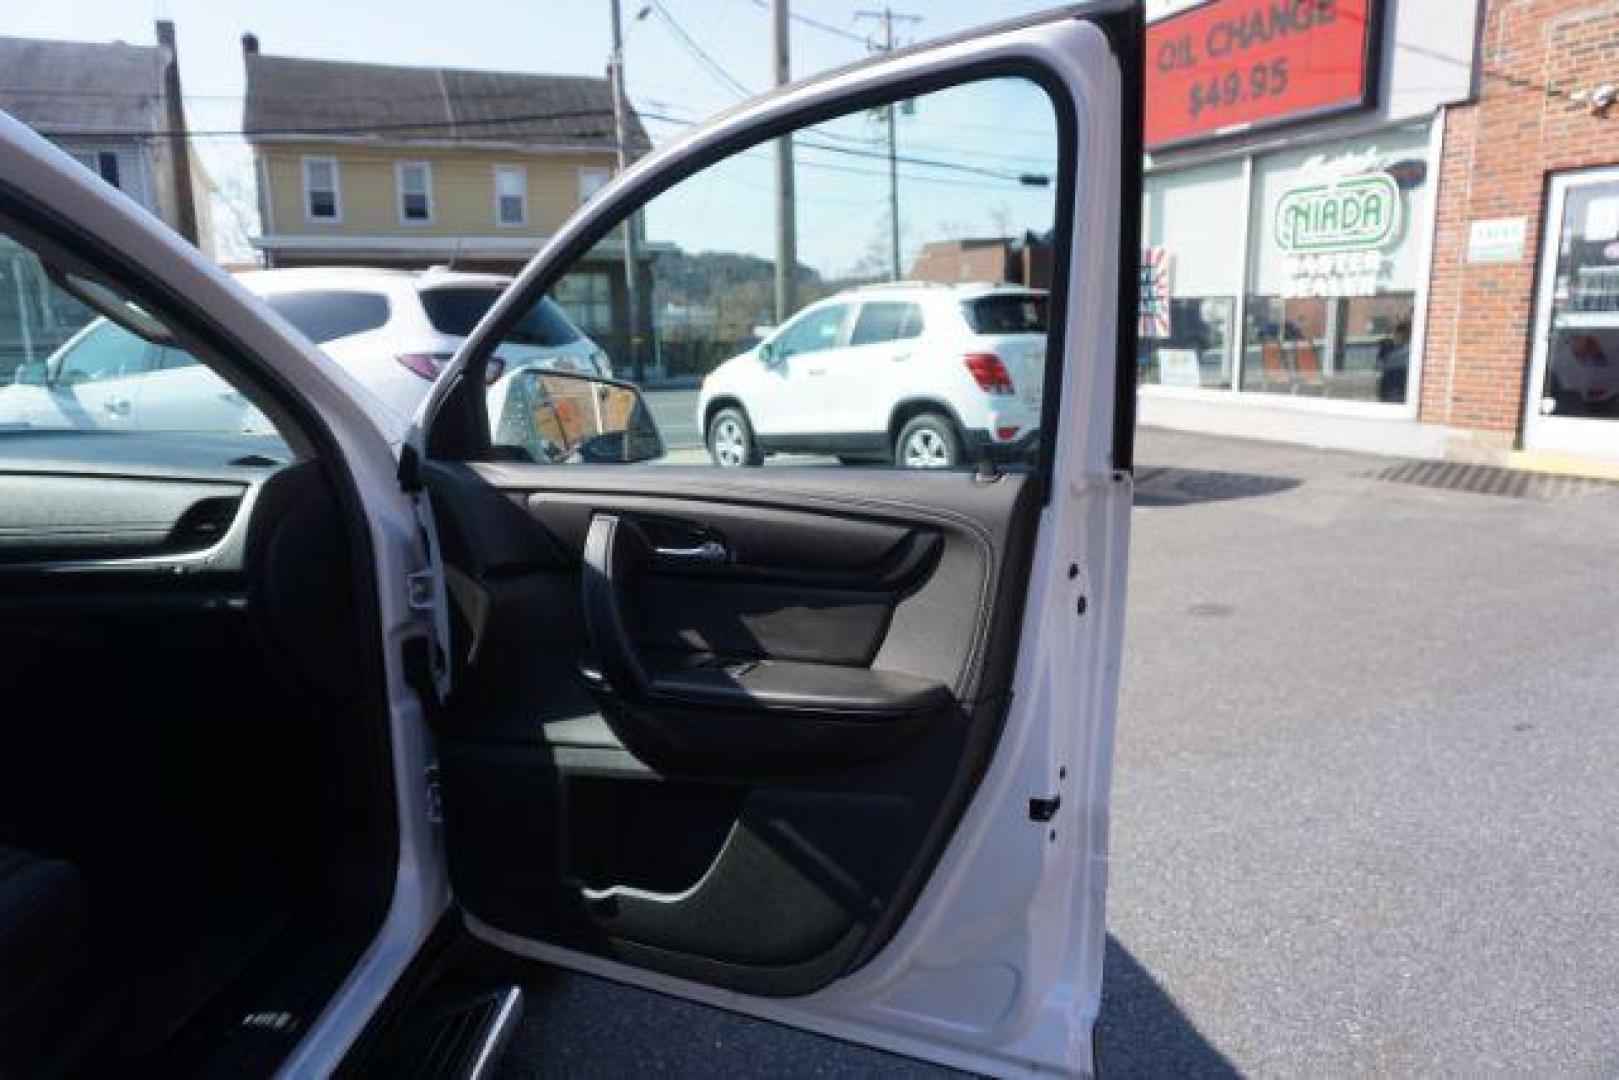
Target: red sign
(1234, 65)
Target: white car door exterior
(997, 966)
(877, 369)
(95, 379)
(789, 391)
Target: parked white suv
(925, 376)
(391, 329)
(105, 378)
(394, 329)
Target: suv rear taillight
(424, 365)
(988, 372)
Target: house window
(587, 298)
(591, 180)
(104, 163)
(511, 195)
(323, 199)
(415, 192)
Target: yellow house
(383, 165)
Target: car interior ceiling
(196, 838)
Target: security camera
(1599, 99)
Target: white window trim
(399, 191)
(337, 190)
(522, 173)
(602, 171)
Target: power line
(827, 28)
(349, 129)
(713, 66)
(807, 140)
(824, 166)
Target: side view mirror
(769, 354)
(32, 373)
(571, 416)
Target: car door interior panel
(178, 622)
(728, 722)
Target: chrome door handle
(709, 551)
(116, 406)
(897, 357)
(815, 371)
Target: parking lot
(1364, 803)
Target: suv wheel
(928, 441)
(730, 439)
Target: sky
(573, 37)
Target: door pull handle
(709, 551)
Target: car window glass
(1013, 314)
(169, 358)
(456, 310)
(731, 325)
(880, 322)
(814, 332)
(106, 351)
(545, 325)
(323, 315)
(66, 369)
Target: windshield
(457, 310)
(1012, 313)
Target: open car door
(822, 740)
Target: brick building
(1025, 261)
(1412, 247)
(1523, 314)
(1290, 208)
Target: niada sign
(1332, 235)
(1357, 213)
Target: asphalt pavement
(676, 414)
(1365, 814)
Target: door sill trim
(938, 1047)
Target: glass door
(1573, 400)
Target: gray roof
(72, 87)
(381, 102)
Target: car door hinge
(410, 470)
(1044, 809)
(435, 794)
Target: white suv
(924, 376)
(394, 329)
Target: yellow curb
(1563, 464)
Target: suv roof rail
(946, 286)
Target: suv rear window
(457, 310)
(327, 315)
(1017, 313)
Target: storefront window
(1333, 266)
(1582, 370)
(1192, 275)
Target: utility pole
(174, 118)
(887, 16)
(786, 207)
(621, 130)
